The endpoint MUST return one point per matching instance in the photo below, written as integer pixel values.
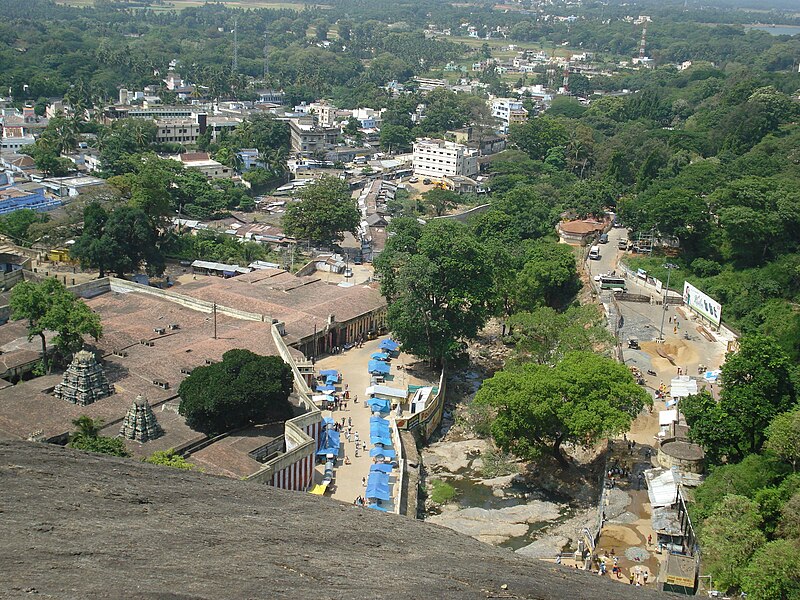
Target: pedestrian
(342, 421)
(650, 540)
(558, 559)
(646, 576)
(344, 406)
(364, 445)
(364, 481)
(675, 330)
(355, 399)
(631, 577)
(350, 421)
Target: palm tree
(86, 427)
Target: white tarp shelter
(386, 392)
(667, 417)
(682, 386)
(662, 486)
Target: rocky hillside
(76, 525)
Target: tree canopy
(438, 284)
(583, 398)
(243, 388)
(324, 212)
(49, 306)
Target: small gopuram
(140, 423)
(84, 381)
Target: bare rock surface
(545, 547)
(496, 526)
(76, 525)
(453, 456)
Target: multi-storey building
(508, 111)
(439, 158)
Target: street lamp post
(668, 267)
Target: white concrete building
(508, 111)
(439, 158)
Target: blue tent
(329, 373)
(325, 388)
(382, 467)
(387, 452)
(376, 366)
(380, 439)
(327, 421)
(389, 345)
(378, 486)
(329, 443)
(376, 507)
(379, 405)
(331, 379)
(380, 356)
(380, 420)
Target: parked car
(603, 238)
(413, 180)
(358, 260)
(426, 181)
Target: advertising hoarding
(703, 305)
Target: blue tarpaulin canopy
(379, 431)
(379, 405)
(331, 379)
(376, 366)
(329, 372)
(329, 443)
(376, 507)
(387, 452)
(389, 345)
(325, 388)
(327, 421)
(380, 356)
(382, 467)
(378, 486)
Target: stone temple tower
(84, 381)
(140, 422)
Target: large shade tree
(324, 212)
(49, 306)
(243, 388)
(582, 399)
(438, 284)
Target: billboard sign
(703, 305)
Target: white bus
(594, 253)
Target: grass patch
(442, 492)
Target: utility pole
(214, 310)
(668, 267)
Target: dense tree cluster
(243, 388)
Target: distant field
(181, 4)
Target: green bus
(611, 283)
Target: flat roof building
(439, 158)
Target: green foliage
(439, 201)
(783, 437)
(758, 384)
(773, 571)
(581, 399)
(49, 306)
(17, 224)
(442, 492)
(87, 437)
(243, 388)
(169, 458)
(120, 241)
(549, 277)
(438, 284)
(545, 335)
(729, 537)
(538, 136)
(325, 210)
(743, 479)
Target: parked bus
(594, 253)
(611, 283)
